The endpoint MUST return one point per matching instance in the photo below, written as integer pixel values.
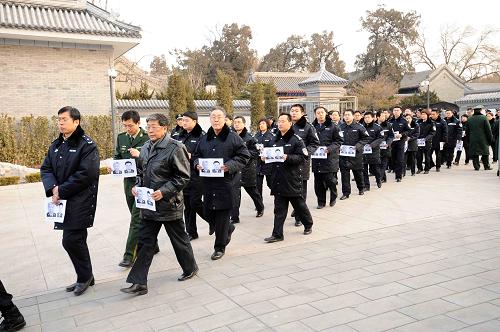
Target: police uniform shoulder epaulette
(122, 134)
(88, 139)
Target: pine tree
(191, 106)
(177, 97)
(271, 101)
(256, 104)
(224, 92)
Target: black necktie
(131, 139)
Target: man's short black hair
(349, 110)
(288, 116)
(134, 115)
(370, 113)
(299, 106)
(161, 118)
(240, 117)
(357, 111)
(319, 107)
(379, 113)
(73, 112)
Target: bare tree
(471, 55)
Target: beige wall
(40, 80)
(446, 87)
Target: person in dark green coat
(480, 138)
(128, 145)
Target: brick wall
(40, 80)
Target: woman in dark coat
(411, 151)
(264, 138)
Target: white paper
(367, 149)
(459, 146)
(396, 138)
(463, 133)
(320, 153)
(123, 168)
(260, 148)
(144, 199)
(211, 167)
(383, 145)
(441, 145)
(421, 141)
(54, 212)
(406, 146)
(347, 151)
(273, 154)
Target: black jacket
(427, 131)
(285, 178)
(191, 141)
(329, 136)
(388, 138)
(376, 137)
(413, 134)
(465, 138)
(355, 135)
(441, 134)
(306, 131)
(400, 125)
(217, 192)
(249, 172)
(164, 166)
(264, 139)
(454, 131)
(73, 166)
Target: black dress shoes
(307, 231)
(136, 289)
(13, 320)
(426, 172)
(186, 276)
(319, 207)
(379, 184)
(419, 171)
(217, 255)
(272, 239)
(361, 192)
(259, 214)
(72, 287)
(192, 237)
(293, 214)
(398, 180)
(344, 197)
(235, 221)
(298, 223)
(157, 249)
(80, 288)
(126, 263)
(333, 202)
(211, 229)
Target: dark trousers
(322, 183)
(484, 159)
(371, 168)
(448, 152)
(304, 196)
(345, 174)
(135, 220)
(281, 211)
(410, 160)
(459, 154)
(74, 242)
(254, 195)
(260, 183)
(148, 235)
(189, 215)
(438, 154)
(5, 298)
(398, 160)
(219, 220)
(384, 161)
(424, 154)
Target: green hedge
(33, 177)
(8, 180)
(25, 141)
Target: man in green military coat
(128, 145)
(480, 138)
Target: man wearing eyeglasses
(128, 145)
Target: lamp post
(112, 75)
(427, 84)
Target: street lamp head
(112, 73)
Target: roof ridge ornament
(322, 65)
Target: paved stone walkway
(421, 255)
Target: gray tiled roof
(91, 20)
(413, 80)
(163, 104)
(284, 82)
(479, 97)
(323, 76)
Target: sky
(169, 25)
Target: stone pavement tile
(347, 275)
(384, 278)
(386, 267)
(381, 322)
(293, 300)
(472, 297)
(143, 315)
(334, 318)
(312, 273)
(104, 312)
(21, 303)
(300, 286)
(476, 314)
(424, 258)
(493, 287)
(201, 299)
(144, 302)
(461, 271)
(247, 325)
(177, 318)
(495, 302)
(268, 283)
(260, 308)
(428, 309)
(235, 290)
(287, 315)
(424, 280)
(390, 303)
(259, 296)
(52, 296)
(280, 271)
(339, 302)
(340, 328)
(69, 311)
(184, 328)
(343, 287)
(465, 283)
(457, 261)
(37, 328)
(221, 306)
(490, 326)
(374, 293)
(413, 251)
(312, 264)
(104, 325)
(234, 281)
(433, 324)
(293, 327)
(489, 264)
(59, 325)
(422, 269)
(483, 245)
(493, 275)
(57, 304)
(391, 256)
(31, 310)
(350, 265)
(219, 320)
(488, 253)
(425, 294)
(32, 320)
